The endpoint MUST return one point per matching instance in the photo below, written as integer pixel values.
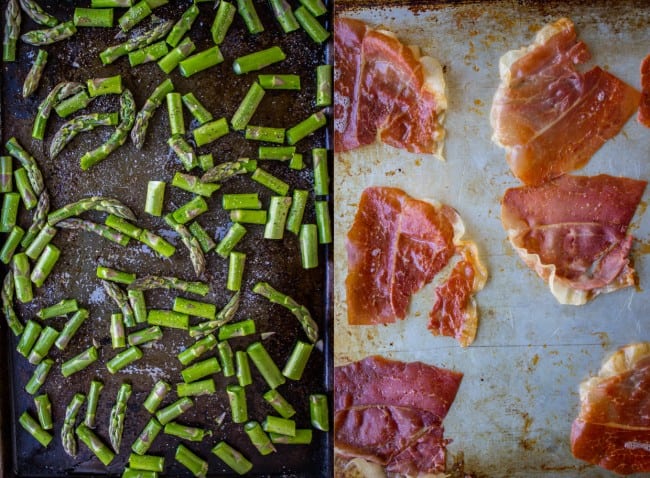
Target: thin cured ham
(573, 232)
(390, 413)
(613, 427)
(397, 245)
(550, 117)
(644, 106)
(385, 90)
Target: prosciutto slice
(613, 427)
(550, 117)
(385, 90)
(396, 246)
(390, 413)
(644, 106)
(573, 232)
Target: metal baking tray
(124, 175)
(519, 395)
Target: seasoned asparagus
(118, 413)
(48, 36)
(28, 162)
(36, 13)
(121, 299)
(67, 431)
(11, 31)
(35, 73)
(60, 91)
(144, 115)
(79, 124)
(161, 282)
(97, 203)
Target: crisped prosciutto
(385, 89)
(613, 427)
(390, 412)
(396, 246)
(550, 117)
(573, 232)
(644, 105)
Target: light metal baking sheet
(519, 395)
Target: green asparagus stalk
(200, 113)
(160, 282)
(147, 462)
(279, 403)
(157, 244)
(184, 151)
(155, 198)
(11, 31)
(97, 203)
(7, 296)
(93, 400)
(265, 133)
(115, 275)
(258, 60)
(60, 92)
(310, 24)
(222, 21)
(274, 183)
(43, 238)
(45, 264)
(44, 411)
(125, 227)
(67, 431)
(158, 31)
(34, 429)
(296, 162)
(224, 316)
(284, 15)
(121, 300)
(123, 359)
(24, 188)
(190, 210)
(195, 308)
(49, 36)
(201, 369)
(93, 17)
(143, 336)
(233, 458)
(295, 366)
(226, 357)
(197, 466)
(297, 211)
(35, 73)
(280, 153)
(201, 235)
(138, 305)
(196, 389)
(306, 127)
(134, 15)
(99, 229)
(259, 438)
(173, 411)
(196, 253)
(323, 222)
(183, 25)
(237, 329)
(118, 414)
(246, 9)
(171, 60)
(299, 311)
(79, 124)
(279, 82)
(150, 53)
(277, 217)
(303, 436)
(237, 399)
(43, 345)
(80, 362)
(200, 61)
(210, 132)
(9, 214)
(39, 376)
(156, 396)
(39, 219)
(28, 338)
(315, 7)
(168, 318)
(308, 238)
(197, 349)
(226, 170)
(279, 425)
(118, 334)
(321, 173)
(11, 244)
(186, 432)
(111, 85)
(36, 13)
(175, 112)
(92, 441)
(147, 436)
(241, 201)
(243, 371)
(235, 270)
(6, 174)
(230, 240)
(264, 363)
(22, 282)
(144, 115)
(324, 81)
(70, 328)
(110, 3)
(318, 411)
(27, 162)
(118, 138)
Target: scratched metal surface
(519, 394)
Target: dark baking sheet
(124, 175)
